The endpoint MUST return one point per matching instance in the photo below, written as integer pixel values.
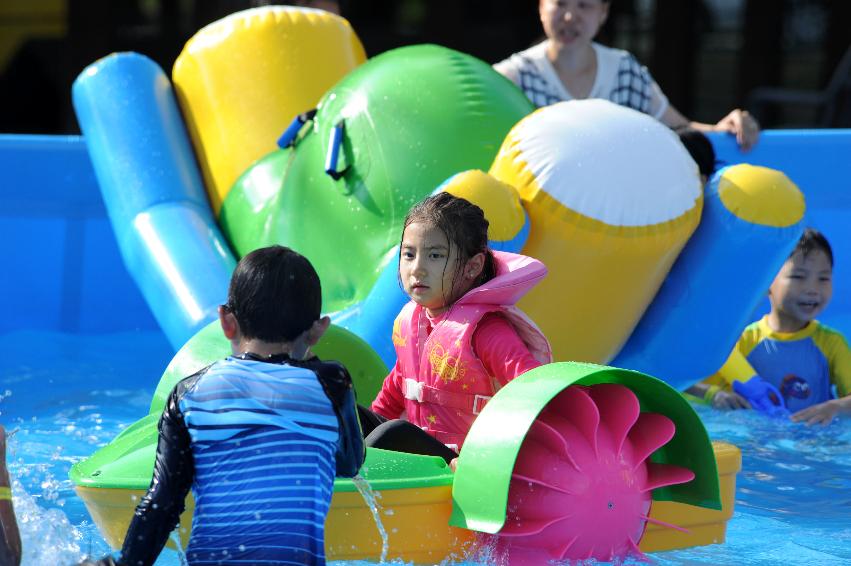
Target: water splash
(47, 536)
(371, 498)
(175, 538)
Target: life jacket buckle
(413, 390)
(479, 402)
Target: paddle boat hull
(415, 512)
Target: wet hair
(699, 147)
(274, 294)
(465, 227)
(812, 240)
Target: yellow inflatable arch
(241, 80)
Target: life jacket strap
(467, 402)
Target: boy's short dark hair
(274, 294)
(699, 147)
(811, 240)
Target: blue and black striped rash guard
(258, 443)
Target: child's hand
(823, 413)
(762, 396)
(727, 400)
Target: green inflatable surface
(412, 117)
(364, 365)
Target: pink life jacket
(444, 383)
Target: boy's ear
(230, 326)
(315, 332)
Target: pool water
(64, 395)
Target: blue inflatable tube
(715, 285)
(372, 318)
(817, 160)
(153, 191)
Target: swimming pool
(66, 394)
(80, 356)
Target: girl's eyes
(432, 255)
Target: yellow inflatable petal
(499, 201)
(241, 80)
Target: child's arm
(10, 549)
(500, 349)
(337, 383)
(839, 357)
(174, 469)
(718, 397)
(390, 401)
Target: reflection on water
(67, 395)
(793, 500)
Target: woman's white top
(620, 78)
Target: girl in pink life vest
(460, 338)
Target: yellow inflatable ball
(612, 196)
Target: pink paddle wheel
(582, 484)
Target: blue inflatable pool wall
(64, 271)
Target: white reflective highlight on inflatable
(609, 163)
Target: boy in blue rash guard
(258, 436)
(788, 359)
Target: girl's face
(428, 265)
(801, 290)
(571, 23)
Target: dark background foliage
(707, 55)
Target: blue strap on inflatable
(288, 137)
(335, 141)
(762, 396)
